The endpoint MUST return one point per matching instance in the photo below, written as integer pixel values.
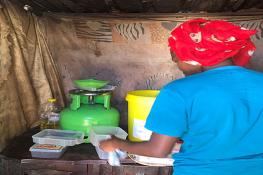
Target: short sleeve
(168, 115)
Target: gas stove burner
(105, 88)
(88, 108)
(86, 92)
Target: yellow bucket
(139, 105)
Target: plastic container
(53, 121)
(101, 154)
(59, 137)
(99, 133)
(139, 105)
(104, 155)
(47, 151)
(49, 115)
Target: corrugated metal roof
(141, 6)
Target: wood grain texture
(9, 166)
(46, 172)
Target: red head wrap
(211, 42)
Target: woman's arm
(158, 145)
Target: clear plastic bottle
(53, 121)
(49, 117)
(43, 121)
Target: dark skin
(159, 145)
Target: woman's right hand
(110, 144)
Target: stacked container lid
(52, 143)
(99, 133)
(47, 151)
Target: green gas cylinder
(88, 109)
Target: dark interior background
(141, 6)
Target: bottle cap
(52, 100)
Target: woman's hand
(110, 144)
(158, 146)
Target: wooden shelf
(80, 160)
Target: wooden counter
(77, 160)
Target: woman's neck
(228, 62)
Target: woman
(217, 109)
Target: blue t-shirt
(219, 115)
